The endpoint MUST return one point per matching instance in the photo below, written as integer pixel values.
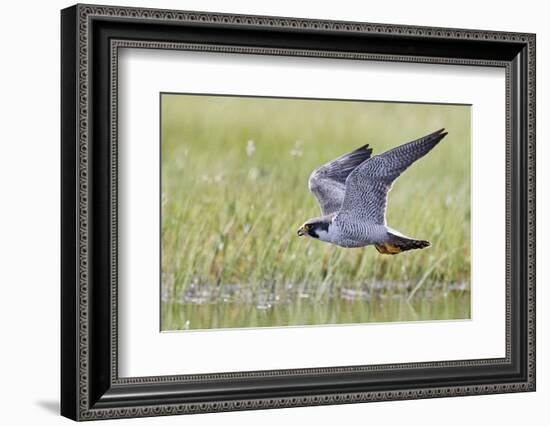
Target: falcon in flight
(352, 192)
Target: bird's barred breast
(356, 233)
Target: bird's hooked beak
(301, 232)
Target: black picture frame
(90, 386)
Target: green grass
(229, 218)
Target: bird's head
(318, 227)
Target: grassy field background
(234, 192)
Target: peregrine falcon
(352, 193)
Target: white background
(29, 225)
(146, 352)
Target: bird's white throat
(331, 235)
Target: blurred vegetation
(234, 192)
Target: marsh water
(233, 306)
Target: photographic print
(292, 212)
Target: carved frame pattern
(85, 409)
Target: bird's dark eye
(307, 227)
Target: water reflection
(237, 306)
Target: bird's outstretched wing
(328, 182)
(368, 185)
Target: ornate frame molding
(78, 24)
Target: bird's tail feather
(399, 243)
